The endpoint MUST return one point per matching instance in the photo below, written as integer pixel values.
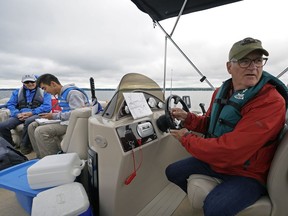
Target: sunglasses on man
(27, 82)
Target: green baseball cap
(242, 48)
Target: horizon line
(113, 89)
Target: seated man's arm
(76, 99)
(12, 104)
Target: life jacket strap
(224, 101)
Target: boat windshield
(132, 82)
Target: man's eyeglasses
(27, 82)
(246, 62)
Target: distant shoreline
(111, 89)
(197, 95)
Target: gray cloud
(76, 40)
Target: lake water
(196, 96)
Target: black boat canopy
(162, 9)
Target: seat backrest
(76, 137)
(277, 183)
(4, 114)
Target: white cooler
(68, 199)
(54, 170)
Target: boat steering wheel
(174, 123)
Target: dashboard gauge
(152, 102)
(160, 105)
(127, 111)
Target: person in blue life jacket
(46, 139)
(25, 105)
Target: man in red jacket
(241, 127)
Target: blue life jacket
(62, 99)
(226, 113)
(37, 100)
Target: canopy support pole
(283, 72)
(165, 62)
(179, 49)
(185, 56)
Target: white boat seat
(76, 137)
(4, 114)
(277, 185)
(17, 132)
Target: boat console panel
(115, 155)
(134, 135)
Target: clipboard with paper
(137, 104)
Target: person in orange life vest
(241, 127)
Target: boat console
(128, 154)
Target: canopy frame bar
(165, 50)
(169, 36)
(283, 72)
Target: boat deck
(9, 205)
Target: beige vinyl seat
(76, 137)
(15, 133)
(277, 185)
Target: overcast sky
(106, 39)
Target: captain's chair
(277, 185)
(76, 137)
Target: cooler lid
(57, 163)
(67, 199)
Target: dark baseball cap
(242, 48)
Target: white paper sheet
(137, 104)
(43, 121)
